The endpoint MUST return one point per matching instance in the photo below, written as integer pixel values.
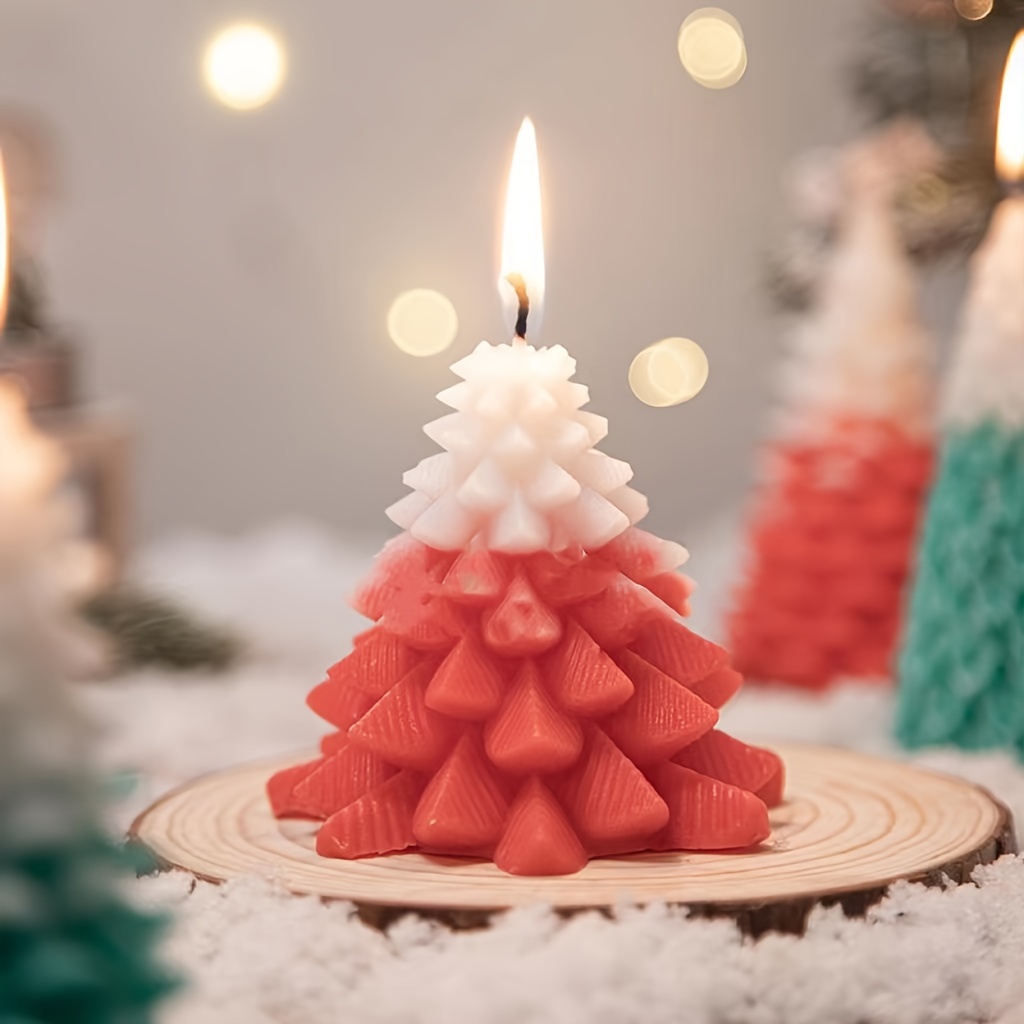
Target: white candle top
(986, 380)
(520, 472)
(863, 352)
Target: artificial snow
(255, 955)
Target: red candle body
(533, 709)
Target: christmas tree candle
(833, 530)
(962, 665)
(528, 692)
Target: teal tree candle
(962, 663)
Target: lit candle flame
(5, 248)
(522, 247)
(1010, 134)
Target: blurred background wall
(230, 273)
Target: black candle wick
(519, 286)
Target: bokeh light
(422, 322)
(669, 373)
(712, 49)
(973, 10)
(244, 66)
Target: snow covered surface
(258, 956)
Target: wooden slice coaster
(851, 826)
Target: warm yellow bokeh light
(712, 49)
(244, 66)
(669, 373)
(422, 322)
(1010, 133)
(973, 10)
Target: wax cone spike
(521, 624)
(378, 822)
(463, 806)
(338, 779)
(538, 838)
(469, 683)
(525, 689)
(583, 678)
(529, 735)
(661, 717)
(706, 814)
(720, 756)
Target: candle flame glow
(1010, 135)
(522, 247)
(5, 248)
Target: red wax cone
(689, 659)
(528, 692)
(662, 717)
(720, 756)
(340, 704)
(376, 664)
(707, 814)
(476, 576)
(378, 822)
(583, 678)
(469, 683)
(338, 780)
(401, 728)
(281, 787)
(538, 838)
(529, 735)
(463, 807)
(609, 799)
(521, 624)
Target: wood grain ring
(850, 827)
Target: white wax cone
(630, 502)
(552, 486)
(863, 353)
(519, 473)
(986, 380)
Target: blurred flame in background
(244, 66)
(1010, 135)
(973, 10)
